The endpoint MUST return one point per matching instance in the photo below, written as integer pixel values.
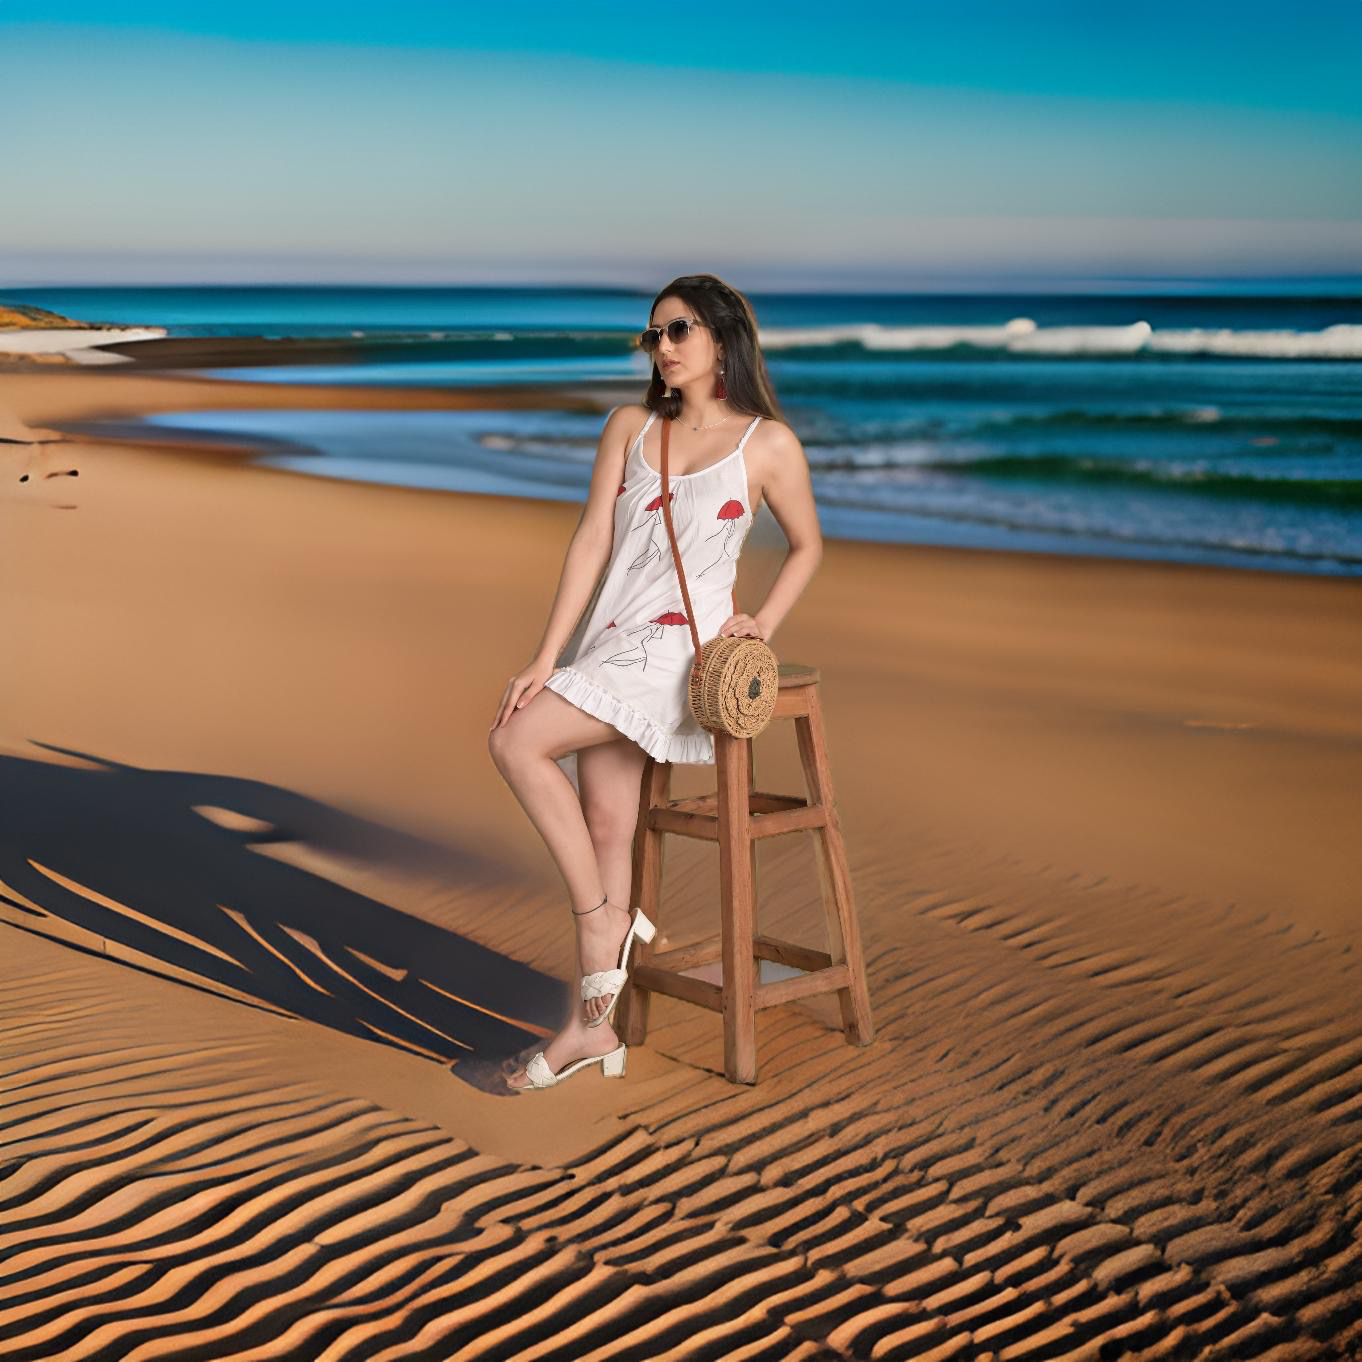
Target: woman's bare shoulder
(626, 420)
(774, 437)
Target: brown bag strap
(671, 535)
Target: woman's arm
(788, 491)
(587, 554)
(589, 550)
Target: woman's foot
(600, 934)
(575, 1041)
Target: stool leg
(645, 892)
(756, 895)
(844, 933)
(735, 896)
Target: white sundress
(633, 665)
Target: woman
(623, 696)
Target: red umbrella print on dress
(637, 654)
(730, 513)
(653, 520)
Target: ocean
(1212, 422)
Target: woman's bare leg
(524, 749)
(610, 776)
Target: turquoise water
(1203, 423)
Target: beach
(263, 885)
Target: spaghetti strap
(638, 439)
(748, 431)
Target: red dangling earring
(721, 392)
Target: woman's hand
(521, 689)
(742, 626)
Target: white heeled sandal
(602, 981)
(541, 1076)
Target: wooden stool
(736, 816)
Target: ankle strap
(585, 911)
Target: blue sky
(605, 143)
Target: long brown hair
(733, 325)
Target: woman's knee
(506, 745)
(521, 743)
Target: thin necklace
(712, 424)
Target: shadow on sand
(131, 856)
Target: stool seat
(796, 674)
(737, 816)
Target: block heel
(602, 981)
(539, 1074)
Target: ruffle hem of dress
(656, 741)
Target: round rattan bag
(733, 685)
(733, 680)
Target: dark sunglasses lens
(677, 331)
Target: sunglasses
(677, 330)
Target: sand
(263, 885)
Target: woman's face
(695, 356)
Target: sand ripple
(1098, 1121)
